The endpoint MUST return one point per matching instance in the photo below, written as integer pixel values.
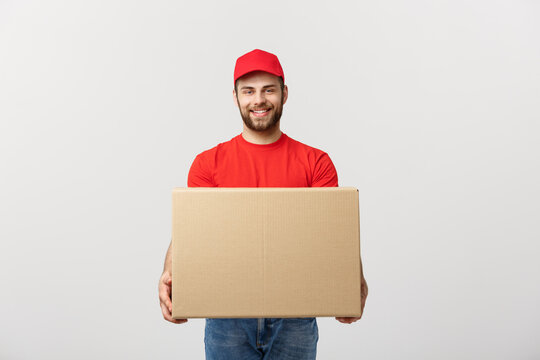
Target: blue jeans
(256, 339)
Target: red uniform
(283, 163)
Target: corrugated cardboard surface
(265, 252)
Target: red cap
(258, 60)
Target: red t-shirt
(283, 163)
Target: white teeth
(259, 111)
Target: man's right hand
(165, 291)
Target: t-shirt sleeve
(325, 174)
(200, 174)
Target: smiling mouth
(260, 113)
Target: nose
(259, 98)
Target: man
(262, 156)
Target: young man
(262, 156)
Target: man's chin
(265, 123)
(262, 124)
(257, 124)
(261, 127)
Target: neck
(261, 137)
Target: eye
(269, 90)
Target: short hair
(280, 79)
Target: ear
(285, 93)
(235, 100)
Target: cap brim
(265, 70)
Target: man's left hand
(364, 292)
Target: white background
(430, 108)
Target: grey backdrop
(430, 108)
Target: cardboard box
(265, 252)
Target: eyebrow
(264, 87)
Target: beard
(266, 124)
